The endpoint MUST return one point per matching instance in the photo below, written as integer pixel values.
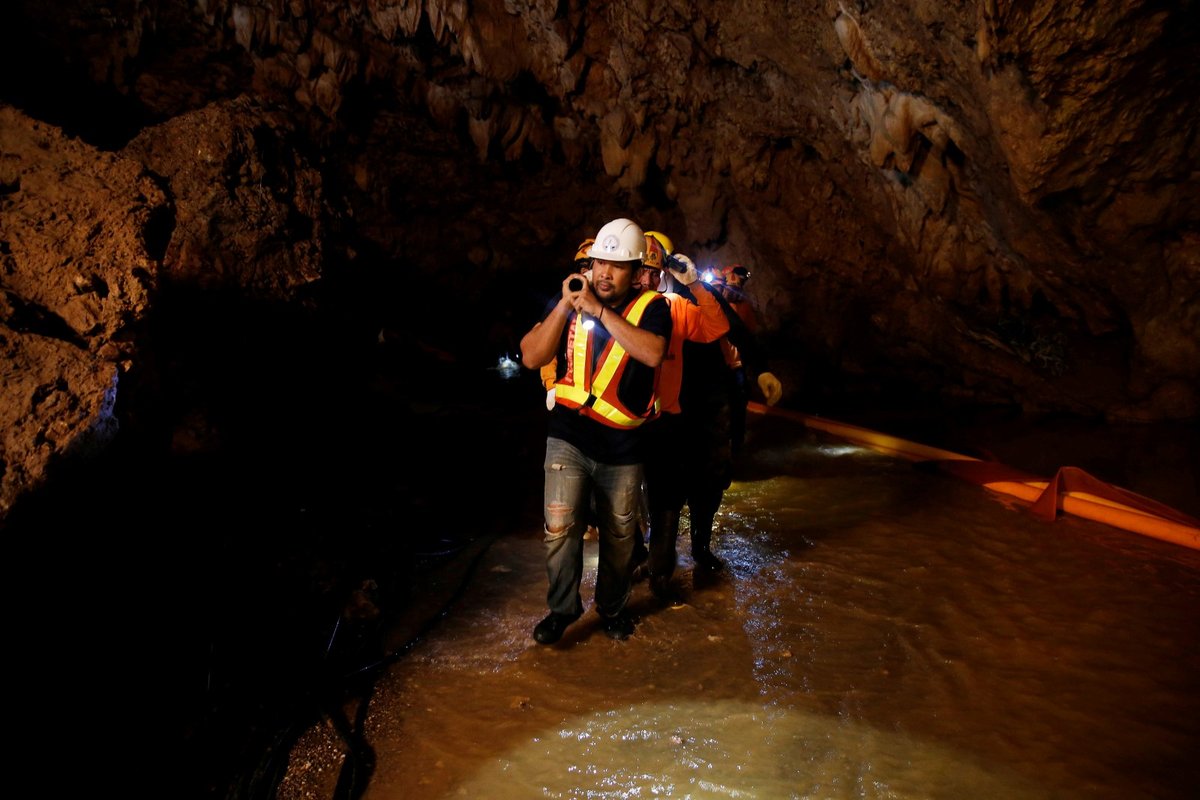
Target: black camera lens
(575, 284)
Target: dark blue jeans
(571, 480)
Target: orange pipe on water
(1148, 517)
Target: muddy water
(881, 631)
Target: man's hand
(682, 269)
(573, 286)
(577, 290)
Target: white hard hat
(620, 240)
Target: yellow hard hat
(667, 246)
(656, 257)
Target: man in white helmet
(609, 335)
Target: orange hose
(1144, 516)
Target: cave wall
(990, 200)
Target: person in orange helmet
(731, 281)
(744, 353)
(703, 460)
(673, 437)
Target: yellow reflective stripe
(577, 394)
(577, 366)
(600, 382)
(580, 363)
(639, 307)
(609, 368)
(614, 414)
(573, 393)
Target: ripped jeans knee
(568, 488)
(559, 518)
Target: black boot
(702, 554)
(640, 559)
(705, 559)
(663, 589)
(551, 629)
(664, 533)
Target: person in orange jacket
(744, 353)
(696, 319)
(711, 404)
(731, 280)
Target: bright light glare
(507, 367)
(840, 450)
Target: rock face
(247, 206)
(992, 201)
(80, 243)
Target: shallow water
(881, 631)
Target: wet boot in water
(640, 558)
(702, 554)
(705, 559)
(664, 534)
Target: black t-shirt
(596, 440)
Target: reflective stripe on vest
(595, 395)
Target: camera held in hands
(575, 284)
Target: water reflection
(729, 749)
(881, 631)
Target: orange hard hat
(581, 253)
(734, 274)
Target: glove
(550, 400)
(771, 388)
(682, 269)
(549, 375)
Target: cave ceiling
(991, 200)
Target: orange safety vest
(594, 392)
